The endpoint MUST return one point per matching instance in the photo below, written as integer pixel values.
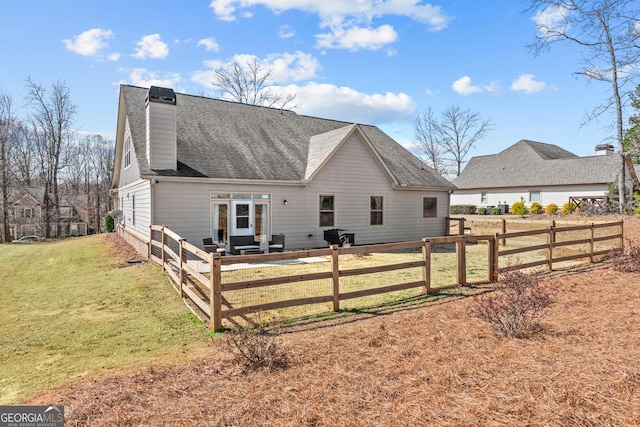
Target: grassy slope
(68, 311)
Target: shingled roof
(228, 140)
(532, 164)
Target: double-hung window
(376, 210)
(483, 197)
(326, 210)
(429, 207)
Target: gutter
(156, 179)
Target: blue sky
(367, 61)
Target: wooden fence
(552, 235)
(205, 290)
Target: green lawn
(68, 311)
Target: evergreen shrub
(536, 208)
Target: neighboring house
(213, 168)
(26, 215)
(538, 172)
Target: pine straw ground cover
(428, 366)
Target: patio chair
(213, 247)
(276, 244)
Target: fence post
(164, 244)
(182, 273)
(504, 231)
(150, 242)
(215, 317)
(496, 257)
(462, 260)
(461, 226)
(622, 236)
(591, 244)
(492, 259)
(551, 239)
(426, 270)
(335, 268)
(447, 228)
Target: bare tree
(7, 137)
(426, 132)
(25, 158)
(606, 31)
(453, 135)
(250, 84)
(51, 120)
(97, 156)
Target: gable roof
(220, 139)
(531, 164)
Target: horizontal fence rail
(553, 236)
(211, 284)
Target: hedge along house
(213, 168)
(538, 172)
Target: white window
(127, 151)
(376, 207)
(483, 197)
(326, 210)
(534, 196)
(429, 207)
(27, 212)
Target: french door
(247, 215)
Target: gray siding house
(538, 172)
(212, 168)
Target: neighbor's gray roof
(229, 140)
(528, 163)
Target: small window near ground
(376, 207)
(534, 196)
(327, 211)
(483, 197)
(429, 207)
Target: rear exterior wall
(352, 175)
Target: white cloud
(464, 87)
(349, 22)
(151, 46)
(526, 83)
(89, 43)
(356, 38)
(344, 103)
(292, 67)
(286, 32)
(209, 44)
(362, 10)
(284, 67)
(551, 19)
(145, 78)
(113, 57)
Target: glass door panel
(262, 222)
(220, 222)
